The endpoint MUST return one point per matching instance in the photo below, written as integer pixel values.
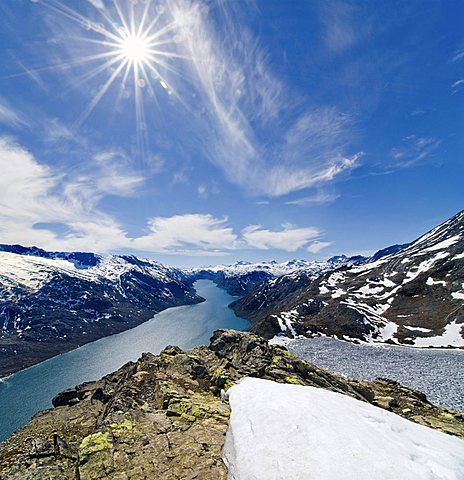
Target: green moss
(96, 442)
(196, 407)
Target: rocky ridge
(52, 302)
(166, 416)
(414, 296)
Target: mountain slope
(414, 296)
(51, 302)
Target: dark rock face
(53, 302)
(164, 416)
(408, 296)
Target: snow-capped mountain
(51, 302)
(413, 296)
(241, 278)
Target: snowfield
(292, 432)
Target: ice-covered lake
(439, 373)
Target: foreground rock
(164, 416)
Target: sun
(134, 48)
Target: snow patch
(292, 432)
(424, 266)
(444, 244)
(418, 329)
(367, 290)
(451, 337)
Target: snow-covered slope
(414, 296)
(293, 432)
(52, 301)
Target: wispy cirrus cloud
(459, 55)
(457, 86)
(340, 29)
(10, 116)
(413, 150)
(263, 137)
(319, 198)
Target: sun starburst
(134, 42)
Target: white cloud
(457, 86)
(317, 246)
(33, 198)
(31, 194)
(242, 98)
(169, 234)
(458, 56)
(319, 198)
(289, 239)
(54, 131)
(10, 117)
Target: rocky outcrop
(414, 296)
(166, 416)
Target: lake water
(26, 392)
(439, 373)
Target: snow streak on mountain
(414, 296)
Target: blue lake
(26, 392)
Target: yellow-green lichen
(96, 442)
(220, 378)
(196, 407)
(294, 380)
(117, 429)
(447, 415)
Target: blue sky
(251, 130)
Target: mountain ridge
(53, 302)
(412, 296)
(242, 277)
